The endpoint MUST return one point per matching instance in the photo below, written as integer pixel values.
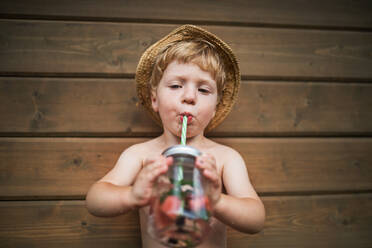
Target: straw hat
(189, 32)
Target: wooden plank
(299, 108)
(320, 221)
(56, 166)
(340, 14)
(306, 164)
(66, 167)
(115, 48)
(313, 221)
(64, 223)
(60, 106)
(72, 106)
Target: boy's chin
(191, 134)
(191, 131)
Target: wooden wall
(303, 122)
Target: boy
(192, 73)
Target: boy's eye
(175, 86)
(203, 90)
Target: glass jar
(180, 210)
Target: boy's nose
(189, 95)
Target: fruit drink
(180, 210)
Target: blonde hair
(196, 51)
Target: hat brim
(188, 32)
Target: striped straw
(183, 142)
(184, 129)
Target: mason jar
(180, 209)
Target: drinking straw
(184, 129)
(183, 142)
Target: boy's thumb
(169, 160)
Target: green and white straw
(184, 130)
(183, 142)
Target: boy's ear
(214, 112)
(154, 101)
(215, 109)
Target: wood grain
(83, 107)
(115, 48)
(66, 167)
(299, 108)
(72, 106)
(67, 69)
(340, 14)
(64, 223)
(321, 221)
(312, 221)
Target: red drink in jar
(180, 211)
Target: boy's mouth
(188, 115)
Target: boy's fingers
(154, 161)
(212, 176)
(151, 159)
(149, 176)
(154, 167)
(169, 161)
(205, 162)
(153, 175)
(208, 157)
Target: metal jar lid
(181, 149)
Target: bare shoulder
(142, 150)
(138, 150)
(233, 171)
(226, 155)
(129, 163)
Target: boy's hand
(142, 189)
(207, 165)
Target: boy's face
(185, 89)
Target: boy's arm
(240, 208)
(128, 185)
(111, 195)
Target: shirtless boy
(189, 72)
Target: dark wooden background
(303, 122)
